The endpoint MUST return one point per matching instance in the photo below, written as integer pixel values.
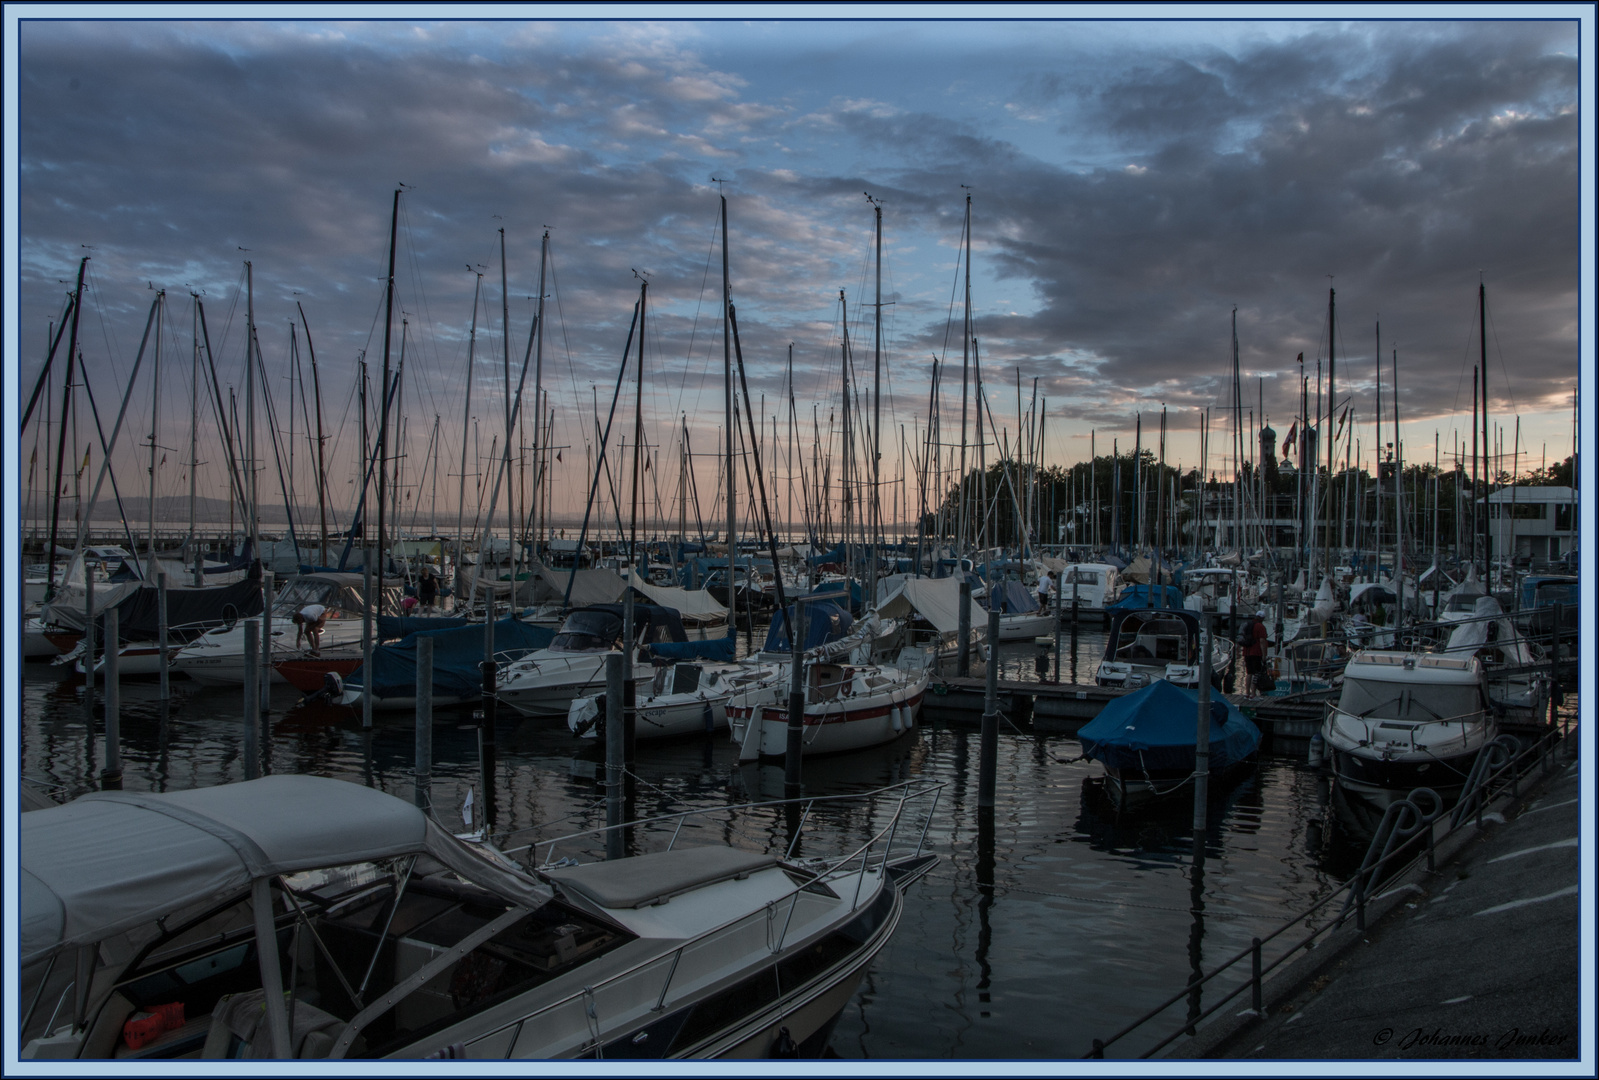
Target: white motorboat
(1089, 589)
(1159, 643)
(310, 918)
(544, 683)
(1407, 720)
(685, 698)
(216, 657)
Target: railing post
(1254, 975)
(424, 724)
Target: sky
(1132, 184)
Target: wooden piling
(252, 699)
(424, 723)
(111, 775)
(987, 765)
(615, 747)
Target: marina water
(1047, 924)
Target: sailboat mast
(877, 403)
(252, 516)
(638, 436)
(383, 399)
(966, 362)
(194, 429)
(321, 439)
(466, 420)
(727, 383)
(1332, 412)
(1377, 515)
(1487, 473)
(155, 412)
(539, 430)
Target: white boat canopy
(695, 605)
(935, 599)
(110, 862)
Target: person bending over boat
(308, 623)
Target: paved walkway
(1482, 961)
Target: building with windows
(1533, 522)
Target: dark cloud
(1153, 192)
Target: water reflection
(1104, 914)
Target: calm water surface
(1048, 923)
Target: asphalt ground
(1478, 960)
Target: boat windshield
(1422, 704)
(1465, 602)
(588, 631)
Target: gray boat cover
(112, 861)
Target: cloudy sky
(1131, 184)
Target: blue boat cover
(1155, 728)
(824, 621)
(457, 652)
(722, 648)
(391, 627)
(1136, 597)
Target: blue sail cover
(457, 652)
(1155, 728)
(1138, 597)
(1013, 598)
(824, 621)
(722, 648)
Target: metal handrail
(924, 788)
(1537, 752)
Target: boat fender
(896, 719)
(1318, 751)
(784, 1046)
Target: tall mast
(61, 433)
(638, 439)
(510, 433)
(383, 397)
(321, 439)
(727, 380)
(1238, 447)
(1487, 473)
(966, 361)
(877, 403)
(466, 420)
(1399, 500)
(194, 428)
(155, 412)
(1377, 516)
(252, 516)
(539, 432)
(846, 504)
(1332, 412)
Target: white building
(1540, 522)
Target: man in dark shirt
(1255, 653)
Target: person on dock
(308, 622)
(1046, 590)
(1254, 650)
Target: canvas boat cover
(935, 599)
(393, 627)
(1155, 728)
(1485, 629)
(457, 652)
(588, 587)
(113, 861)
(1137, 570)
(694, 605)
